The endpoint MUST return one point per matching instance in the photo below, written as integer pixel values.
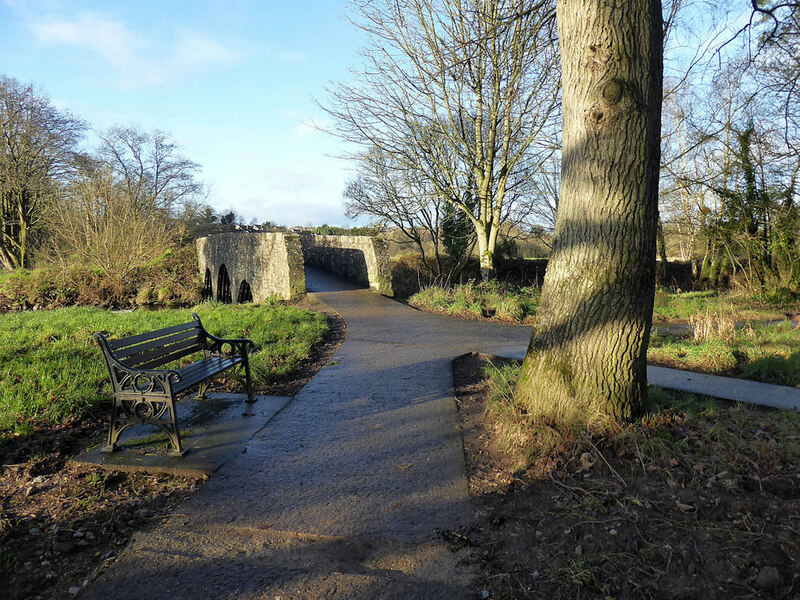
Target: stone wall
(271, 263)
(359, 258)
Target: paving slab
(727, 388)
(213, 430)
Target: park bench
(146, 393)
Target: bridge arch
(245, 293)
(208, 286)
(224, 285)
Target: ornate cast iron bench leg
(119, 423)
(160, 413)
(247, 379)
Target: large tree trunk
(588, 351)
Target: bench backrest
(158, 348)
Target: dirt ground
(678, 507)
(61, 524)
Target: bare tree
(397, 197)
(37, 147)
(462, 91)
(97, 222)
(156, 176)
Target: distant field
(50, 368)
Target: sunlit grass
(50, 368)
(481, 300)
(683, 306)
(678, 428)
(761, 352)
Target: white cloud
(136, 62)
(287, 195)
(308, 128)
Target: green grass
(508, 303)
(475, 301)
(50, 368)
(682, 306)
(768, 353)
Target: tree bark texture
(589, 345)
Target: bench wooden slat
(146, 337)
(156, 353)
(154, 344)
(202, 365)
(165, 359)
(201, 370)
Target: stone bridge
(249, 267)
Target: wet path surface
(344, 492)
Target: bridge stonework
(271, 263)
(358, 258)
(239, 266)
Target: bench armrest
(241, 345)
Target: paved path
(342, 494)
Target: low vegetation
(170, 280)
(726, 334)
(697, 499)
(680, 307)
(761, 352)
(52, 369)
(487, 300)
(477, 301)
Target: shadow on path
(322, 281)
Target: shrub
(782, 295)
(145, 295)
(409, 275)
(171, 280)
(510, 309)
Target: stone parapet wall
(359, 258)
(271, 263)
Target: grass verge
(505, 303)
(681, 307)
(762, 352)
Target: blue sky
(232, 81)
